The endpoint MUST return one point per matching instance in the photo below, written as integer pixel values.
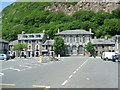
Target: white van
(107, 55)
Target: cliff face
(71, 8)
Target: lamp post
(48, 45)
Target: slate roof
(117, 35)
(102, 41)
(13, 42)
(4, 41)
(80, 31)
(49, 42)
(28, 38)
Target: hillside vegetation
(32, 17)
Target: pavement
(69, 72)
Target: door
(74, 49)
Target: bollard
(40, 59)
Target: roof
(49, 42)
(117, 35)
(102, 41)
(13, 42)
(80, 31)
(20, 36)
(4, 41)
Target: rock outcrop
(93, 6)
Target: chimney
(43, 31)
(95, 37)
(106, 37)
(23, 32)
(58, 31)
(90, 30)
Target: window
(31, 36)
(25, 36)
(29, 47)
(67, 38)
(70, 38)
(38, 36)
(74, 39)
(77, 38)
(30, 42)
(103, 47)
(80, 38)
(26, 41)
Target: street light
(48, 44)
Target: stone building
(75, 41)
(103, 45)
(4, 46)
(11, 46)
(117, 44)
(34, 42)
(48, 48)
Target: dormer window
(31, 36)
(38, 36)
(25, 36)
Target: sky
(4, 4)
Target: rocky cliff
(69, 8)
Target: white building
(75, 41)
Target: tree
(90, 48)
(83, 15)
(116, 13)
(19, 47)
(100, 17)
(59, 46)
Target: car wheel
(106, 59)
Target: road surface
(69, 72)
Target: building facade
(75, 41)
(34, 43)
(48, 48)
(103, 45)
(11, 47)
(4, 46)
(117, 44)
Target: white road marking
(64, 82)
(5, 69)
(70, 76)
(77, 69)
(28, 67)
(14, 69)
(74, 72)
(1, 74)
(88, 78)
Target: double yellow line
(32, 85)
(9, 84)
(41, 86)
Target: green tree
(59, 46)
(90, 48)
(114, 26)
(100, 17)
(116, 13)
(20, 46)
(83, 15)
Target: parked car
(12, 56)
(107, 55)
(4, 57)
(116, 58)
